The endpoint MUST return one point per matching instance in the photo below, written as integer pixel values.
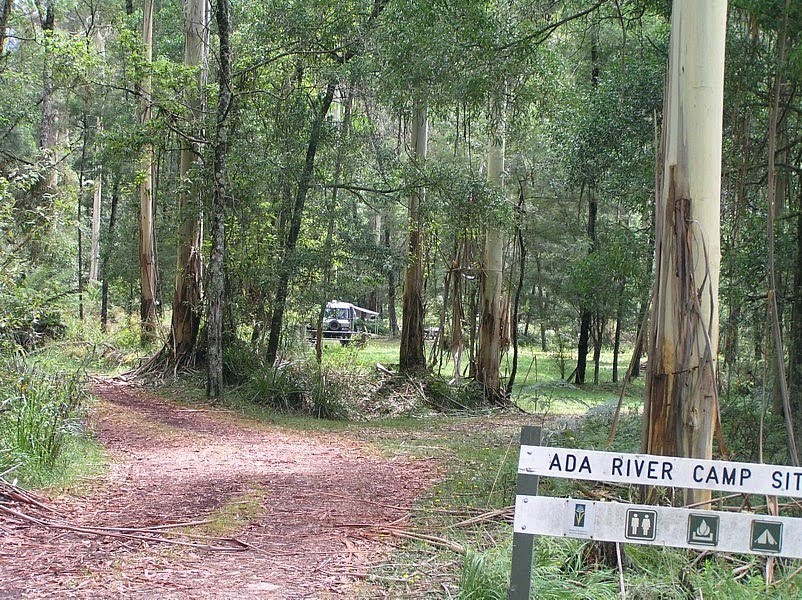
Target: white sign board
(645, 469)
(659, 525)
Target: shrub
(40, 412)
(278, 386)
(328, 389)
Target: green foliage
(279, 387)
(41, 413)
(445, 397)
(484, 577)
(329, 389)
(319, 390)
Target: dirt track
(302, 498)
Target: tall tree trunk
(94, 253)
(586, 315)
(392, 282)
(599, 323)
(412, 356)
(217, 279)
(619, 318)
(492, 273)
(681, 407)
(104, 294)
(541, 304)
(147, 237)
(773, 202)
(97, 196)
(519, 237)
(294, 231)
(188, 295)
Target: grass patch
(235, 514)
(42, 417)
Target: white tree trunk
(94, 257)
(681, 407)
(97, 197)
(491, 282)
(188, 295)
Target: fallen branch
(17, 494)
(235, 545)
(422, 537)
(502, 514)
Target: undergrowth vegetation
(42, 416)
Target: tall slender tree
(187, 299)
(147, 235)
(412, 356)
(492, 272)
(214, 354)
(681, 408)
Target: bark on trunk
(491, 277)
(392, 316)
(188, 295)
(94, 255)
(217, 281)
(519, 236)
(411, 356)
(586, 315)
(773, 203)
(147, 247)
(681, 407)
(5, 13)
(104, 301)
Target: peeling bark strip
(680, 411)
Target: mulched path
(306, 499)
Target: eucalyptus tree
(412, 356)
(148, 271)
(5, 14)
(492, 310)
(681, 408)
(187, 298)
(214, 374)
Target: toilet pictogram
(641, 525)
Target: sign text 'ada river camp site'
(658, 525)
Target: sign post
(522, 542)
